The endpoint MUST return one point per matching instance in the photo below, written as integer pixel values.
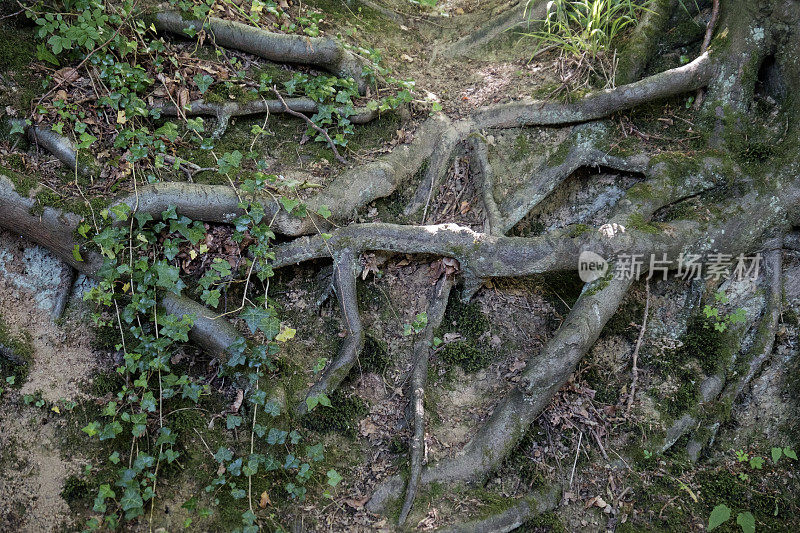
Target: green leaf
(131, 499)
(76, 253)
(776, 454)
(203, 82)
(756, 462)
(289, 204)
(747, 521)
(333, 477)
(788, 452)
(719, 516)
(91, 429)
(323, 211)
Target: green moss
(465, 318)
(342, 416)
(637, 221)
(76, 489)
(104, 383)
(521, 148)
(375, 356)
(626, 320)
(713, 349)
(578, 229)
(548, 522)
(466, 355)
(21, 346)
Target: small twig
(310, 122)
(635, 369)
(575, 463)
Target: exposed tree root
(64, 291)
(715, 388)
(583, 154)
(258, 107)
(541, 501)
(189, 168)
(641, 46)
(419, 378)
(8, 353)
(480, 158)
(598, 104)
(60, 146)
(543, 376)
(323, 52)
(55, 230)
(344, 279)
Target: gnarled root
(582, 154)
(64, 291)
(540, 501)
(344, 279)
(480, 159)
(543, 376)
(229, 110)
(322, 52)
(419, 378)
(758, 354)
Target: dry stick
(575, 463)
(419, 377)
(698, 99)
(635, 369)
(310, 122)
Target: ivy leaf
(776, 454)
(289, 204)
(223, 455)
(788, 452)
(286, 334)
(131, 499)
(719, 516)
(747, 521)
(203, 82)
(324, 212)
(233, 421)
(333, 477)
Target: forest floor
(585, 441)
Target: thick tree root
(714, 389)
(583, 154)
(344, 279)
(419, 378)
(323, 52)
(642, 45)
(60, 146)
(229, 110)
(64, 291)
(480, 159)
(599, 104)
(55, 230)
(541, 501)
(542, 378)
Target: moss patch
(342, 416)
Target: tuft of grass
(587, 31)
